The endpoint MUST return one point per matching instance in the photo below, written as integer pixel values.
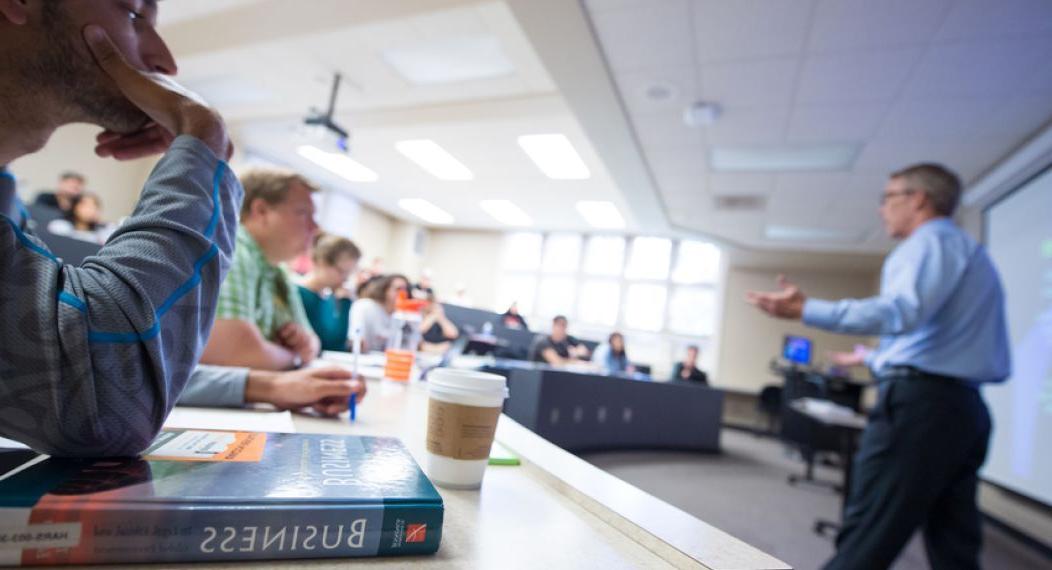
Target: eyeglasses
(889, 195)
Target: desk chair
(770, 404)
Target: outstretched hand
(172, 109)
(786, 303)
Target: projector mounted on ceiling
(323, 123)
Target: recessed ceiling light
(506, 212)
(450, 60)
(783, 158)
(426, 211)
(434, 159)
(556, 156)
(797, 233)
(601, 214)
(338, 163)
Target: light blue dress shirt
(940, 308)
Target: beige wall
(73, 148)
(468, 257)
(748, 339)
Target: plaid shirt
(258, 292)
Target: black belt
(895, 372)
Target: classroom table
(552, 511)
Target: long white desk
(553, 511)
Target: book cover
(213, 495)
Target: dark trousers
(917, 467)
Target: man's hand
(298, 339)
(847, 359)
(326, 390)
(785, 304)
(173, 110)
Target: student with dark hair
(83, 220)
(70, 185)
(558, 348)
(687, 370)
(371, 314)
(611, 355)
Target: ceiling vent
(741, 203)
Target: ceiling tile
(656, 35)
(969, 157)
(748, 29)
(983, 19)
(945, 118)
(976, 69)
(862, 24)
(681, 163)
(741, 184)
(764, 125)
(750, 83)
(866, 76)
(835, 122)
(666, 129)
(800, 184)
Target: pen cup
(463, 409)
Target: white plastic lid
(469, 381)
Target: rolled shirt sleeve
(94, 357)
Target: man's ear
(15, 11)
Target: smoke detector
(701, 113)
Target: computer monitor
(797, 349)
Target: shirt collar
(249, 244)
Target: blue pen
(352, 404)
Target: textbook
(199, 495)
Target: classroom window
(562, 253)
(696, 262)
(692, 311)
(556, 296)
(604, 255)
(521, 289)
(649, 259)
(522, 251)
(645, 307)
(599, 302)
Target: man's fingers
(332, 373)
(147, 138)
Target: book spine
(213, 533)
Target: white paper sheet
(230, 419)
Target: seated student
(260, 322)
(512, 319)
(325, 390)
(70, 185)
(83, 220)
(687, 370)
(611, 355)
(371, 313)
(327, 303)
(558, 348)
(438, 330)
(94, 357)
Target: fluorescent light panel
(338, 163)
(601, 214)
(783, 158)
(436, 160)
(450, 60)
(506, 212)
(556, 156)
(426, 211)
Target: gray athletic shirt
(93, 358)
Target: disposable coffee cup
(462, 414)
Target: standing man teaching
(940, 314)
(93, 358)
